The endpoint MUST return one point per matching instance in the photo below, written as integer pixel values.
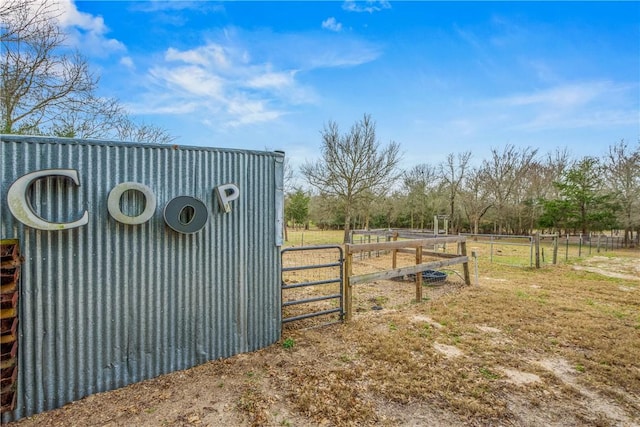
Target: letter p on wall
(226, 194)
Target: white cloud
(332, 25)
(209, 55)
(127, 61)
(247, 111)
(239, 78)
(86, 32)
(369, 6)
(154, 6)
(190, 81)
(593, 104)
(159, 104)
(568, 96)
(221, 85)
(543, 71)
(342, 56)
(272, 80)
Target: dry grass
(556, 346)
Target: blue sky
(438, 77)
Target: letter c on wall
(20, 205)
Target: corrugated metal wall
(108, 304)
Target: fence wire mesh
(399, 291)
(520, 251)
(367, 297)
(500, 249)
(303, 290)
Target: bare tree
(421, 182)
(19, 18)
(452, 171)
(126, 129)
(538, 185)
(46, 89)
(622, 166)
(37, 81)
(556, 164)
(503, 173)
(89, 117)
(476, 200)
(352, 165)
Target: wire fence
(311, 284)
(521, 250)
(302, 237)
(502, 249)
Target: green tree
(556, 214)
(297, 208)
(352, 166)
(585, 204)
(326, 212)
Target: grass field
(555, 346)
(313, 237)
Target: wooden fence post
(537, 243)
(395, 252)
(419, 274)
(465, 265)
(348, 295)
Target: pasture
(555, 346)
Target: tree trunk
(347, 225)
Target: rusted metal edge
(10, 261)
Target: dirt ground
(559, 346)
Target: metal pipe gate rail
(339, 296)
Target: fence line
(417, 245)
(522, 251)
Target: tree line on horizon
(357, 184)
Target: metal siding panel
(108, 304)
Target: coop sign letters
(174, 211)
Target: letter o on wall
(113, 203)
(174, 211)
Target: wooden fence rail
(413, 245)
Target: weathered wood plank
(428, 253)
(398, 272)
(348, 292)
(373, 232)
(419, 276)
(465, 265)
(401, 244)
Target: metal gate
(312, 284)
